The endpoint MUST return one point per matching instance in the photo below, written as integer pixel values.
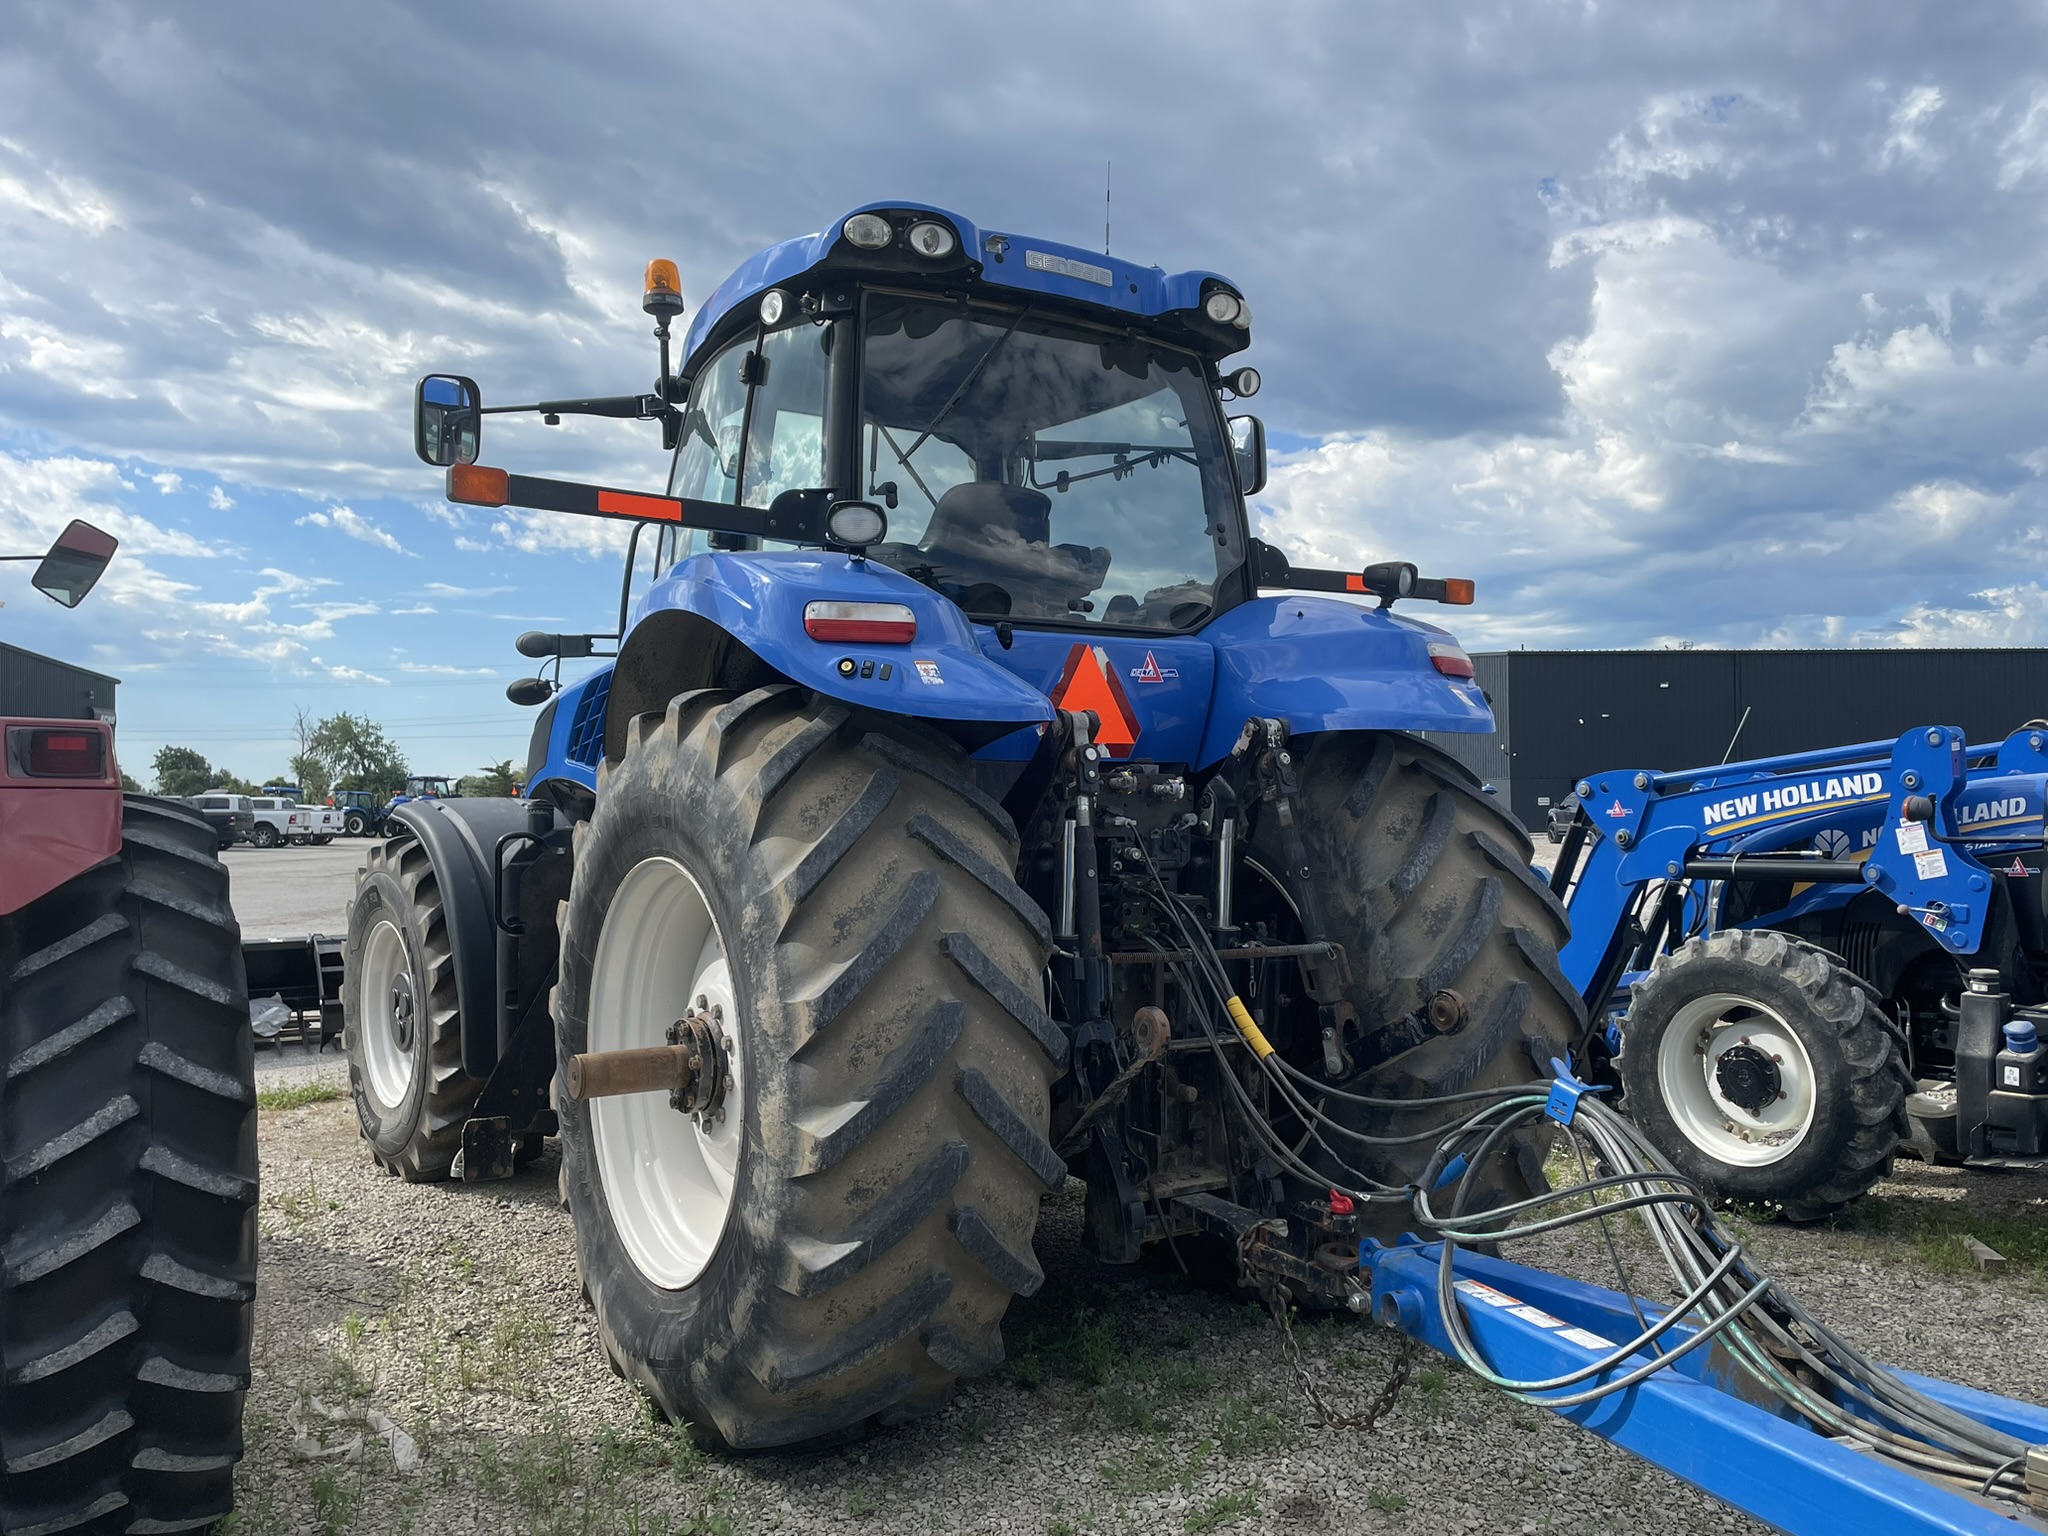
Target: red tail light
(43, 752)
(1449, 659)
(860, 623)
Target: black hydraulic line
(1767, 867)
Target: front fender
(1324, 665)
(757, 600)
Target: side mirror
(75, 562)
(530, 690)
(539, 643)
(447, 419)
(1248, 449)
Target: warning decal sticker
(1088, 681)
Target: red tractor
(127, 1134)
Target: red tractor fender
(60, 805)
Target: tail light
(1449, 659)
(861, 623)
(44, 752)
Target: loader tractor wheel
(837, 1241)
(1451, 940)
(1763, 1069)
(356, 824)
(128, 1208)
(399, 1007)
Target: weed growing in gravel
(298, 1206)
(1245, 1427)
(334, 1499)
(1224, 1509)
(1433, 1390)
(1387, 1501)
(974, 1429)
(1153, 1467)
(299, 1095)
(859, 1505)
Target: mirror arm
(1271, 568)
(795, 516)
(619, 407)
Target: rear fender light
(860, 623)
(57, 752)
(1449, 659)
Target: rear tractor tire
(399, 1006)
(840, 1242)
(356, 824)
(1764, 1070)
(128, 1207)
(1425, 881)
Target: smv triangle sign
(1088, 681)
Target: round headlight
(869, 231)
(932, 241)
(773, 302)
(1244, 317)
(1221, 307)
(1244, 383)
(856, 524)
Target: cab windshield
(1037, 470)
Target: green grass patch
(299, 1095)
(1224, 1509)
(1935, 1230)
(1153, 1467)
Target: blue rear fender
(757, 599)
(1322, 664)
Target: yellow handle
(1261, 1046)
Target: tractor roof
(985, 258)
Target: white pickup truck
(280, 819)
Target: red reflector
(860, 623)
(64, 755)
(1450, 660)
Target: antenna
(1105, 207)
(1737, 736)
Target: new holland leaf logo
(1088, 681)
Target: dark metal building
(55, 690)
(1563, 714)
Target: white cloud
(166, 482)
(447, 671)
(219, 500)
(347, 520)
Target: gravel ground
(287, 893)
(1133, 1400)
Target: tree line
(343, 751)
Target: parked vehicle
(994, 825)
(1561, 817)
(232, 817)
(1805, 964)
(128, 1206)
(279, 820)
(362, 813)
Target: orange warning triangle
(1088, 681)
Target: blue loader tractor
(1797, 967)
(966, 801)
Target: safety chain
(1275, 1296)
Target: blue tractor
(961, 808)
(1798, 966)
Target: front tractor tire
(843, 1243)
(128, 1207)
(1764, 1070)
(1425, 881)
(401, 1015)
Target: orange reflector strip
(660, 509)
(1458, 590)
(1354, 584)
(477, 485)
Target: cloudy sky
(1723, 324)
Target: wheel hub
(402, 1010)
(1747, 1078)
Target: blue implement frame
(1700, 1418)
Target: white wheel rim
(390, 1015)
(1688, 1065)
(668, 1180)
